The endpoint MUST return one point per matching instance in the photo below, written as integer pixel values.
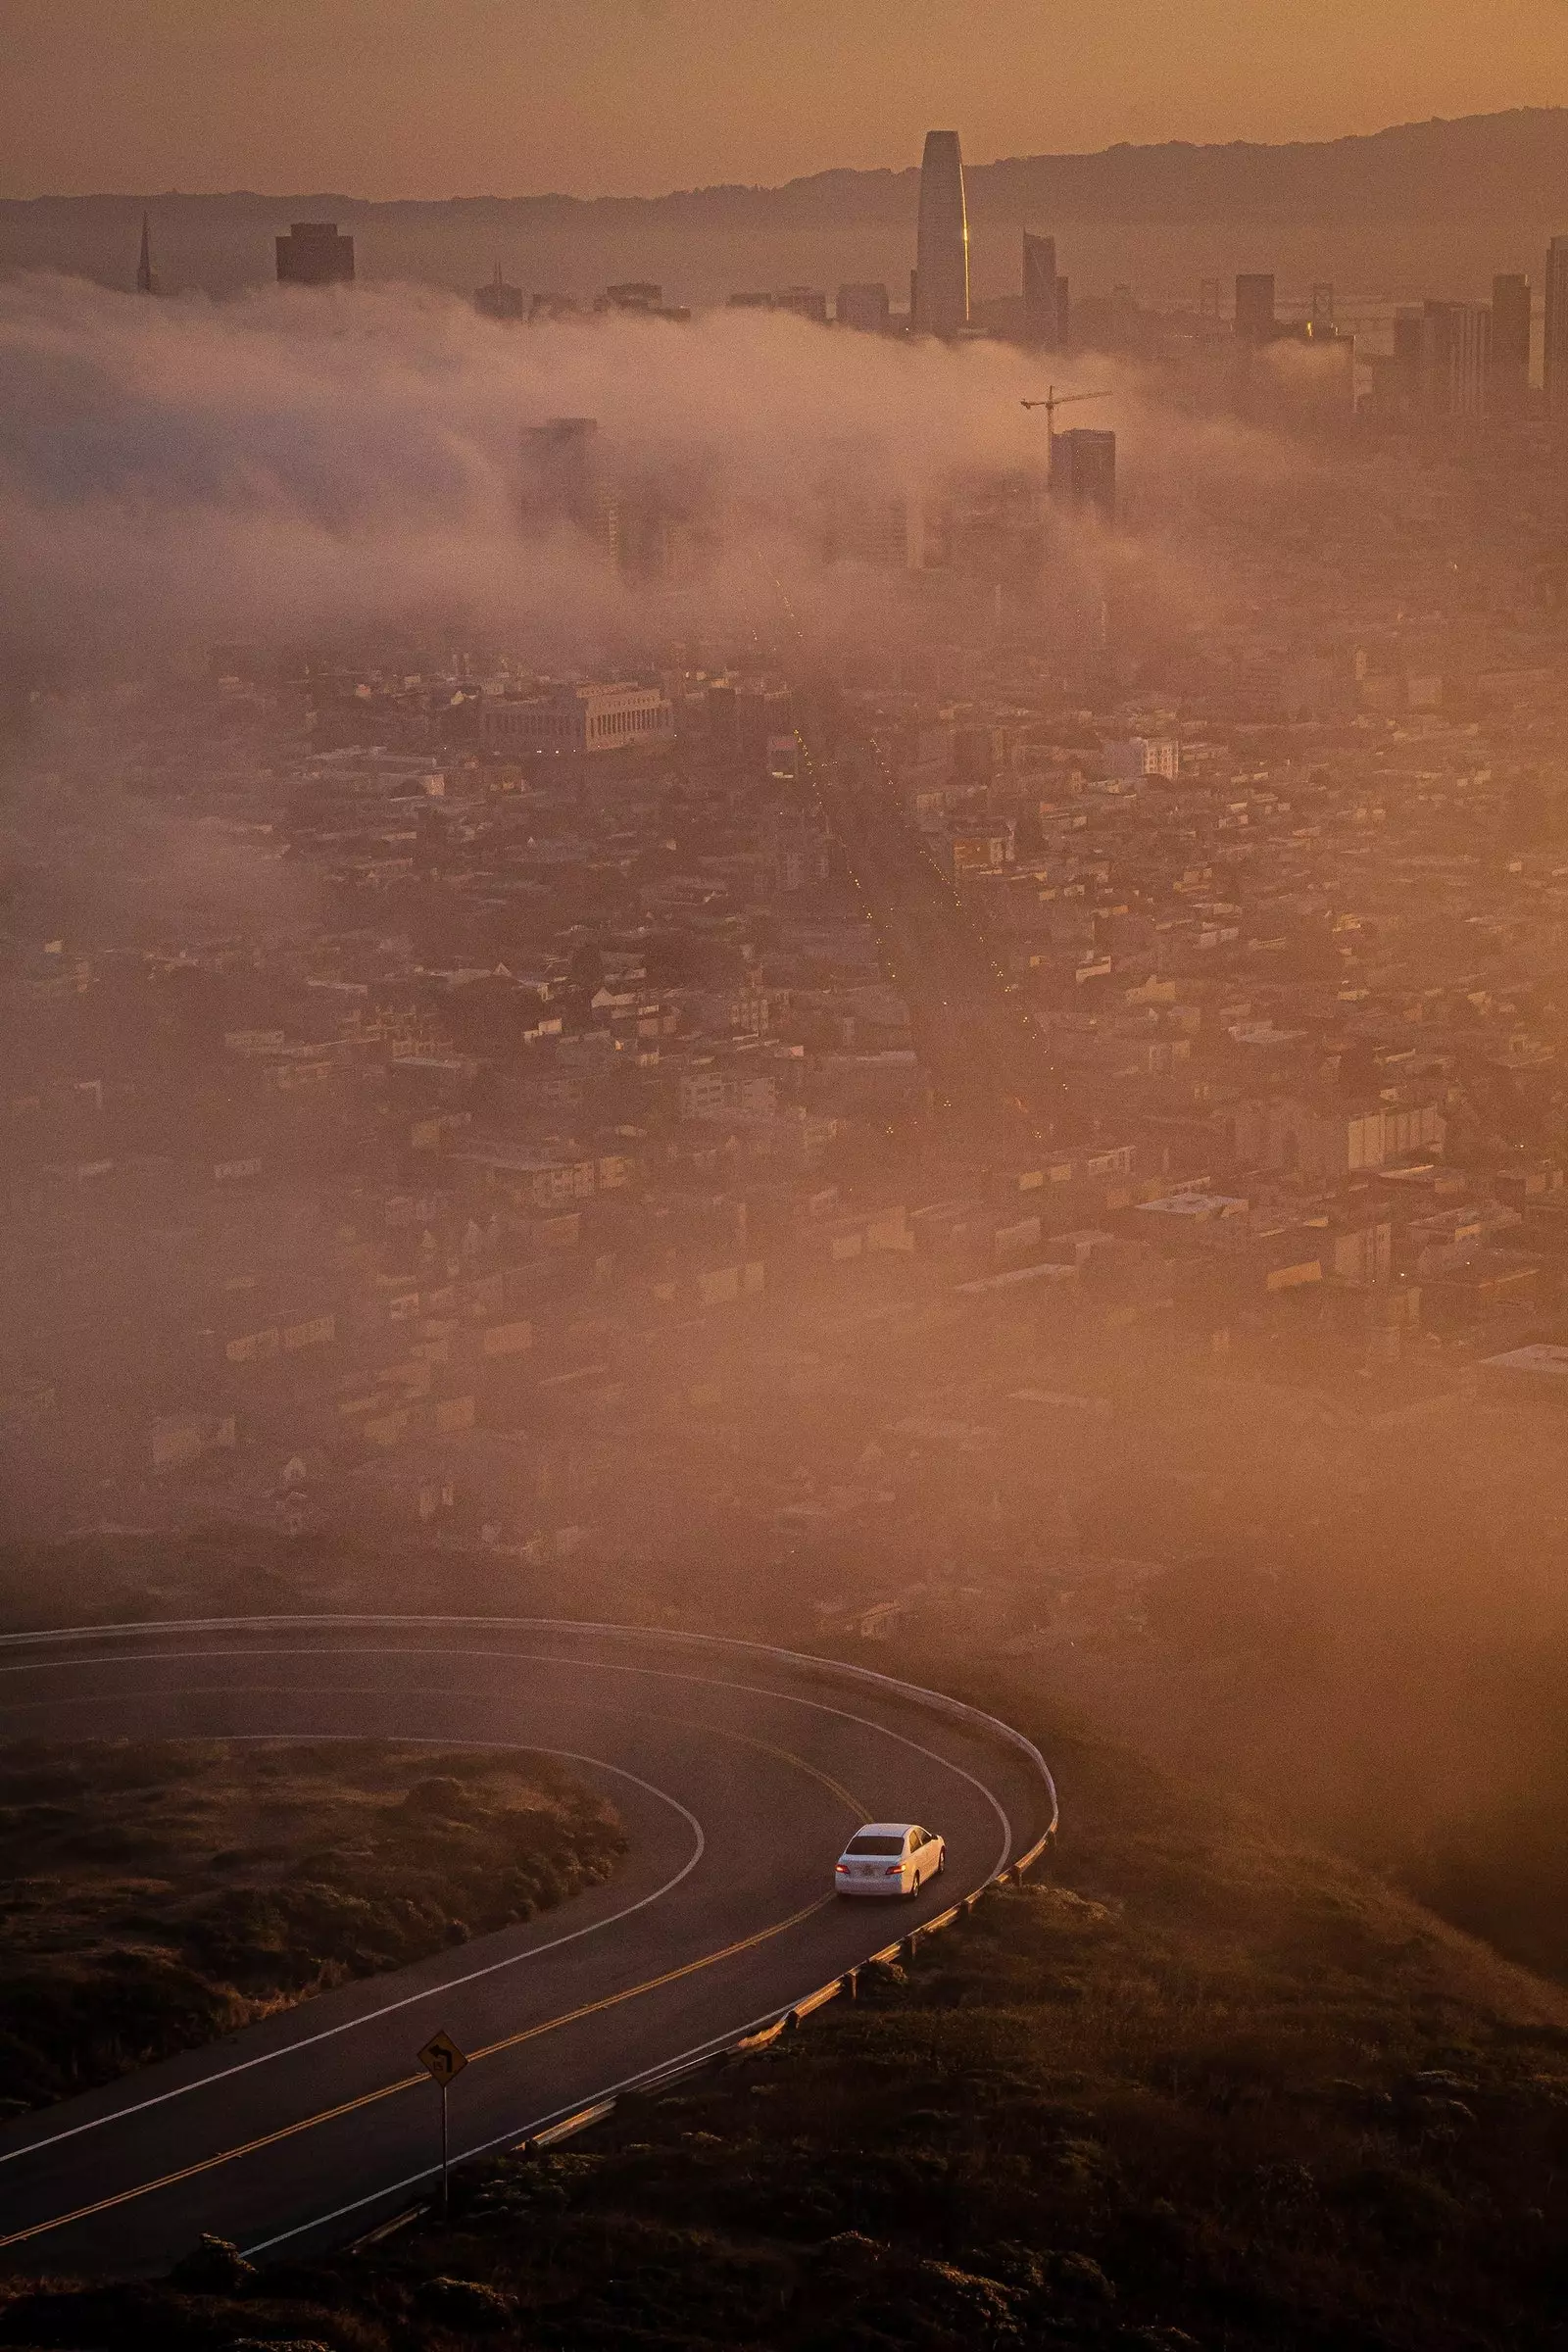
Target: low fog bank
(290, 467)
(1356, 1621)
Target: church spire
(146, 282)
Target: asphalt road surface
(738, 1774)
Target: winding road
(737, 1770)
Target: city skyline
(1418, 210)
(407, 99)
(817, 923)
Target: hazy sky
(512, 97)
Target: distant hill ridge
(1511, 166)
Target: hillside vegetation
(1197, 2085)
(163, 1893)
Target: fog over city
(270, 468)
(862, 964)
(306, 490)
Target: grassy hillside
(163, 1893)
(1199, 2085)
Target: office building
(1082, 472)
(1554, 356)
(863, 306)
(1255, 306)
(1321, 312)
(498, 300)
(577, 718)
(1455, 349)
(1409, 346)
(566, 485)
(1441, 366)
(802, 302)
(1042, 310)
(563, 482)
(312, 253)
(642, 298)
(1143, 756)
(940, 288)
(1508, 391)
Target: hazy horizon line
(727, 187)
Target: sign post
(442, 2060)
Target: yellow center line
(672, 1975)
(387, 2090)
(208, 2164)
(787, 1755)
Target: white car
(888, 1857)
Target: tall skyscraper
(1554, 373)
(1255, 306)
(941, 288)
(565, 482)
(1510, 389)
(312, 253)
(1456, 341)
(863, 306)
(1083, 472)
(1042, 323)
(146, 274)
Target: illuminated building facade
(941, 286)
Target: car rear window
(874, 1846)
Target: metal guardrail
(760, 2032)
(578, 2121)
(954, 1708)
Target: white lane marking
(574, 1628)
(350, 2025)
(652, 1673)
(651, 2074)
(527, 1657)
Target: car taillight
(844, 1866)
(894, 1870)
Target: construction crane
(1051, 402)
(1055, 400)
